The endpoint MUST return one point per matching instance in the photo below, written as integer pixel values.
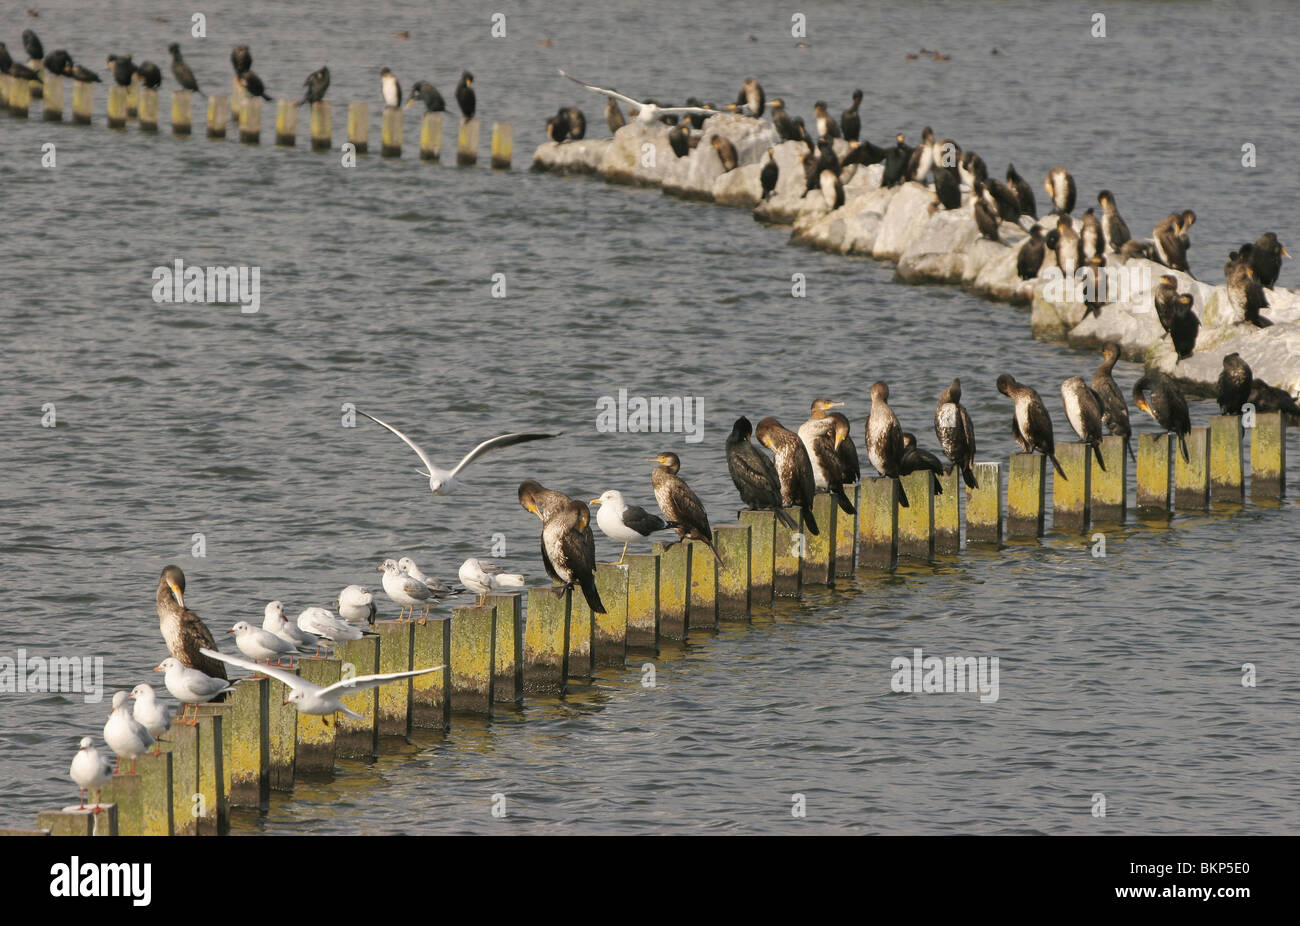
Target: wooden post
(52, 106)
(322, 132)
(846, 536)
(20, 97)
(609, 639)
(431, 137)
(359, 739)
(126, 792)
(250, 121)
(132, 100)
(674, 589)
(157, 805)
(1268, 455)
(546, 641)
(1109, 494)
(183, 743)
(116, 107)
(818, 565)
(702, 607)
(430, 705)
(36, 88)
(148, 110)
(239, 99)
(181, 112)
(1192, 478)
(788, 548)
(359, 133)
(984, 505)
(396, 649)
(1026, 484)
(66, 822)
(282, 737)
(390, 133)
(878, 522)
(218, 116)
(508, 665)
(250, 771)
(582, 625)
(503, 143)
(467, 143)
(212, 812)
(1153, 484)
(947, 513)
(1226, 462)
(642, 601)
(473, 656)
(762, 537)
(732, 541)
(1072, 495)
(316, 736)
(83, 102)
(286, 123)
(916, 522)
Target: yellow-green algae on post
(642, 601)
(503, 143)
(286, 123)
(359, 126)
(818, 566)
(390, 133)
(83, 102)
(1153, 478)
(947, 513)
(846, 536)
(126, 793)
(430, 705)
(250, 122)
(702, 606)
(1192, 476)
(1227, 470)
(218, 116)
(212, 812)
(1268, 455)
(878, 522)
(182, 113)
(148, 110)
(789, 547)
(1109, 494)
(182, 740)
(52, 101)
(396, 650)
(321, 126)
(674, 588)
(116, 107)
(508, 684)
(609, 639)
(467, 142)
(358, 738)
(1072, 495)
(546, 641)
(732, 541)
(916, 522)
(247, 719)
(984, 505)
(431, 137)
(582, 625)
(1026, 495)
(473, 650)
(157, 805)
(66, 822)
(762, 558)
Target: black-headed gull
(259, 644)
(275, 622)
(125, 735)
(355, 603)
(190, 686)
(90, 770)
(482, 577)
(153, 715)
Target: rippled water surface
(1119, 675)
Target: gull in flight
(646, 113)
(443, 482)
(310, 698)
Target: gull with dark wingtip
(625, 523)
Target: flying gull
(645, 112)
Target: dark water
(1118, 675)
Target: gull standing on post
(405, 590)
(90, 771)
(355, 603)
(443, 482)
(125, 735)
(481, 577)
(152, 714)
(322, 623)
(624, 523)
(262, 645)
(274, 621)
(190, 686)
(646, 113)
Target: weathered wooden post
(239, 99)
(818, 566)
(609, 642)
(431, 137)
(126, 794)
(212, 812)
(642, 602)
(473, 655)
(316, 736)
(430, 704)
(83, 101)
(1153, 483)
(322, 132)
(390, 133)
(396, 651)
(72, 822)
(702, 605)
(789, 548)
(546, 641)
(182, 740)
(846, 536)
(878, 522)
(132, 100)
(359, 128)
(182, 116)
(52, 106)
(1108, 498)
(20, 97)
(916, 521)
(1026, 495)
(1072, 494)
(358, 738)
(674, 589)
(1192, 477)
(148, 110)
(250, 121)
(250, 747)
(157, 804)
(947, 513)
(218, 116)
(984, 505)
(582, 625)
(762, 558)
(503, 143)
(1268, 455)
(467, 143)
(1227, 480)
(36, 88)
(732, 541)
(286, 123)
(116, 107)
(508, 666)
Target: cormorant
(679, 139)
(850, 467)
(613, 115)
(1266, 257)
(971, 167)
(754, 473)
(1111, 222)
(793, 469)
(316, 84)
(1094, 288)
(1169, 244)
(1083, 409)
(751, 97)
(818, 437)
(569, 550)
(769, 174)
(864, 152)
(58, 62)
(679, 504)
(1245, 293)
(428, 94)
(914, 459)
(781, 121)
(832, 189)
(1006, 200)
(544, 502)
(557, 127)
(465, 96)
(826, 125)
(20, 71)
(1156, 394)
(123, 69)
(1186, 219)
(947, 188)
(1029, 260)
(1114, 410)
(1234, 384)
(150, 75)
(1268, 398)
(241, 59)
(32, 45)
(1092, 240)
(577, 123)
(1069, 253)
(986, 218)
(183, 631)
(181, 71)
(1024, 192)
(1031, 426)
(1164, 298)
(921, 158)
(391, 89)
(1060, 189)
(252, 85)
(884, 438)
(850, 121)
(956, 433)
(726, 152)
(83, 75)
(1184, 326)
(625, 523)
(1134, 248)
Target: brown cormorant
(827, 127)
(751, 97)
(84, 75)
(1169, 245)
(149, 75)
(1134, 248)
(544, 502)
(1156, 394)
(1060, 190)
(252, 85)
(32, 45)
(864, 152)
(1234, 384)
(1092, 239)
(1005, 199)
(1029, 260)
(1069, 253)
(818, 437)
(850, 121)
(577, 123)
(429, 95)
(466, 99)
(1031, 426)
(754, 473)
(1114, 410)
(971, 168)
(181, 71)
(679, 504)
(793, 469)
(679, 139)
(1024, 192)
(1184, 327)
(1094, 289)
(986, 217)
(884, 438)
(1112, 223)
(183, 631)
(1245, 293)
(1164, 298)
(241, 59)
(726, 152)
(914, 459)
(781, 121)
(569, 550)
(1083, 409)
(21, 71)
(317, 83)
(390, 88)
(850, 467)
(1268, 398)
(956, 433)
(1266, 257)
(921, 159)
(1186, 219)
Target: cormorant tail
(968, 476)
(810, 522)
(938, 486)
(1096, 449)
(1182, 445)
(1057, 466)
(842, 497)
(786, 519)
(716, 554)
(589, 592)
(902, 495)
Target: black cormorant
(1029, 260)
(1114, 410)
(947, 187)
(181, 71)
(1234, 384)
(1245, 293)
(465, 96)
(726, 152)
(754, 473)
(1169, 244)
(1024, 192)
(915, 459)
(32, 45)
(84, 75)
(1266, 257)
(570, 550)
(850, 467)
(316, 84)
(769, 174)
(123, 69)
(1156, 394)
(149, 74)
(818, 437)
(252, 85)
(1031, 426)
(827, 127)
(850, 121)
(428, 94)
(781, 121)
(241, 59)
(1184, 327)
(58, 62)
(986, 218)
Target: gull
(407, 565)
(355, 603)
(152, 714)
(646, 113)
(310, 698)
(275, 622)
(190, 686)
(322, 623)
(625, 523)
(483, 577)
(256, 643)
(90, 771)
(125, 735)
(443, 482)
(405, 590)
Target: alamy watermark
(82, 675)
(221, 285)
(947, 674)
(656, 414)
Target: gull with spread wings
(645, 112)
(443, 482)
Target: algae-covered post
(642, 601)
(314, 750)
(430, 705)
(546, 641)
(1268, 456)
(286, 123)
(359, 126)
(609, 635)
(947, 513)
(148, 110)
(396, 651)
(431, 137)
(916, 521)
(467, 143)
(789, 547)
(508, 682)
(1108, 497)
(732, 541)
(702, 603)
(819, 549)
(674, 589)
(503, 143)
(116, 107)
(218, 116)
(83, 101)
(1192, 476)
(390, 133)
(1072, 493)
(984, 505)
(1227, 480)
(321, 128)
(1026, 494)
(762, 538)
(181, 113)
(473, 650)
(358, 738)
(250, 121)
(250, 772)
(878, 522)
(52, 105)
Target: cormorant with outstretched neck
(183, 631)
(914, 459)
(956, 433)
(754, 473)
(149, 75)
(252, 85)
(1234, 384)
(1083, 410)
(1031, 426)
(864, 152)
(122, 68)
(1184, 327)
(569, 550)
(678, 502)
(793, 469)
(465, 97)
(1114, 410)
(32, 45)
(241, 59)
(181, 71)
(1156, 394)
(1111, 222)
(428, 94)
(613, 115)
(818, 436)
(769, 174)
(1060, 189)
(316, 84)
(884, 438)
(1029, 259)
(1024, 192)
(850, 121)
(1266, 257)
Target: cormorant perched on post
(391, 88)
(122, 68)
(769, 174)
(1024, 192)
(956, 433)
(754, 473)
(1111, 222)
(1113, 407)
(1266, 257)
(914, 459)
(58, 62)
(1234, 384)
(1029, 260)
(884, 438)
(818, 437)
(241, 59)
(781, 121)
(20, 71)
(428, 94)
(1268, 398)
(184, 76)
(726, 152)
(183, 631)
(850, 467)
(793, 469)
(751, 97)
(1083, 409)
(149, 74)
(1156, 394)
(84, 75)
(613, 115)
(679, 504)
(850, 121)
(569, 550)
(316, 84)
(252, 85)
(465, 97)
(1031, 426)
(32, 45)
(1060, 189)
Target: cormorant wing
(968, 429)
(505, 440)
(410, 443)
(292, 679)
(614, 93)
(755, 468)
(192, 624)
(362, 682)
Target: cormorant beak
(834, 404)
(176, 593)
(653, 460)
(1142, 404)
(408, 103)
(1284, 253)
(533, 508)
(838, 440)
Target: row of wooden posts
(141, 104)
(242, 750)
